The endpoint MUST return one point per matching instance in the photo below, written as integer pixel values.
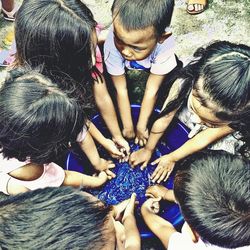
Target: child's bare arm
(200, 141)
(133, 240)
(107, 110)
(124, 105)
(152, 86)
(89, 148)
(160, 227)
(76, 179)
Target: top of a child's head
(57, 34)
(37, 119)
(55, 218)
(212, 189)
(141, 14)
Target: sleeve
(113, 59)
(4, 180)
(177, 241)
(164, 60)
(81, 136)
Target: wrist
(148, 148)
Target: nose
(126, 52)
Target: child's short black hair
(53, 218)
(140, 14)
(37, 118)
(212, 189)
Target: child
(64, 218)
(139, 39)
(38, 122)
(68, 49)
(212, 98)
(212, 190)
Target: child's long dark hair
(57, 34)
(224, 68)
(37, 119)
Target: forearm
(133, 240)
(106, 108)
(152, 86)
(123, 100)
(199, 142)
(76, 179)
(96, 134)
(89, 148)
(158, 129)
(159, 226)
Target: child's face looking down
(134, 44)
(205, 112)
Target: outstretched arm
(200, 141)
(160, 227)
(124, 105)
(107, 110)
(152, 86)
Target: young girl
(38, 121)
(212, 97)
(62, 37)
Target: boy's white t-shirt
(182, 241)
(160, 62)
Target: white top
(182, 241)
(160, 62)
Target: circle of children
(44, 106)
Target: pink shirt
(52, 176)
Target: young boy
(212, 189)
(65, 218)
(139, 39)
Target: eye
(137, 49)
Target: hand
(101, 178)
(128, 133)
(164, 168)
(156, 191)
(142, 156)
(159, 191)
(113, 150)
(152, 205)
(129, 210)
(141, 136)
(104, 165)
(123, 146)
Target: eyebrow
(130, 45)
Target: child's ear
(164, 36)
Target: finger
(144, 165)
(149, 195)
(158, 168)
(141, 143)
(136, 140)
(155, 161)
(111, 165)
(157, 176)
(163, 175)
(167, 176)
(144, 141)
(110, 173)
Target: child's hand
(152, 205)
(104, 165)
(159, 191)
(128, 133)
(164, 168)
(129, 210)
(156, 191)
(113, 150)
(123, 146)
(102, 177)
(142, 156)
(141, 136)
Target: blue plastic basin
(130, 180)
